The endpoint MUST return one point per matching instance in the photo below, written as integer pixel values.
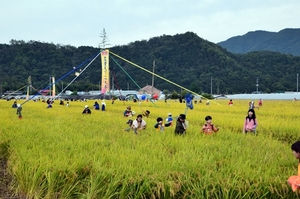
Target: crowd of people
(181, 125)
(138, 124)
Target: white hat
(169, 114)
(86, 106)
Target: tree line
(183, 59)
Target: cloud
(80, 23)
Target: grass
(60, 153)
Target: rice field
(62, 153)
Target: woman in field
(294, 181)
(86, 110)
(250, 122)
(96, 106)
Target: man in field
(138, 124)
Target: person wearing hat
(128, 112)
(138, 124)
(129, 122)
(180, 128)
(169, 119)
(86, 110)
(160, 126)
(208, 128)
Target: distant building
(149, 90)
(44, 92)
(13, 93)
(257, 92)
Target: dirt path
(5, 179)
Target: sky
(81, 22)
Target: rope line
(80, 73)
(67, 74)
(159, 76)
(132, 79)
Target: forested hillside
(286, 41)
(185, 59)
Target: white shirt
(137, 125)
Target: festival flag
(105, 88)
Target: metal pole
(153, 76)
(50, 86)
(297, 81)
(211, 85)
(257, 85)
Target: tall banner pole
(53, 90)
(28, 87)
(105, 87)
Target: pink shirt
(249, 124)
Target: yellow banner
(105, 71)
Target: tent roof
(148, 90)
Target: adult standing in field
(250, 122)
(181, 127)
(230, 103)
(252, 105)
(294, 181)
(260, 102)
(19, 111)
(138, 124)
(86, 110)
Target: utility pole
(112, 84)
(297, 81)
(50, 85)
(257, 85)
(153, 65)
(211, 85)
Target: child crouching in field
(208, 128)
(129, 123)
(294, 181)
(160, 126)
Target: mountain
(286, 41)
(182, 61)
